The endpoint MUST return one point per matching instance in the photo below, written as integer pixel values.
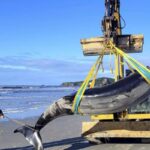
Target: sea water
(30, 101)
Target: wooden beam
(129, 43)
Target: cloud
(47, 65)
(18, 67)
(49, 71)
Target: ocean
(30, 101)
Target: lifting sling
(132, 63)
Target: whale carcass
(111, 98)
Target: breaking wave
(29, 102)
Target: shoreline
(67, 128)
(61, 134)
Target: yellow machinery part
(117, 129)
(125, 117)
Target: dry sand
(61, 134)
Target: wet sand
(61, 134)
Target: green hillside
(99, 82)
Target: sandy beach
(61, 134)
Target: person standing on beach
(1, 114)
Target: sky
(40, 39)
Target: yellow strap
(110, 65)
(85, 83)
(95, 75)
(131, 60)
(98, 67)
(89, 76)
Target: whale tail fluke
(32, 136)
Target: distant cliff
(99, 82)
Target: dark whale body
(112, 98)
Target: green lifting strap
(92, 73)
(140, 68)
